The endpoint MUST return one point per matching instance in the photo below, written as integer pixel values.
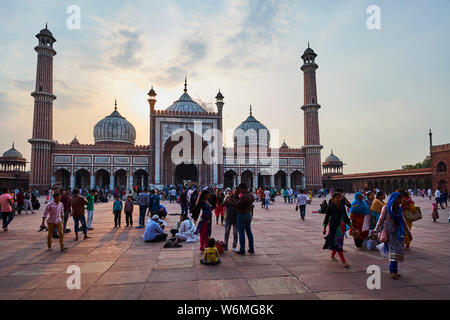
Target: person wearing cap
(153, 231)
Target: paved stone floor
(289, 262)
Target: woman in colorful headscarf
(375, 209)
(358, 211)
(391, 220)
(338, 220)
(407, 205)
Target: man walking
(142, 201)
(77, 203)
(267, 198)
(90, 208)
(54, 214)
(6, 203)
(301, 203)
(243, 207)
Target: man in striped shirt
(54, 214)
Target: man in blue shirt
(153, 232)
(154, 203)
(142, 201)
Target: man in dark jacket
(243, 207)
(78, 203)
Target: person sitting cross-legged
(211, 254)
(153, 231)
(186, 231)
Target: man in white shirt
(301, 203)
(267, 198)
(189, 193)
(438, 199)
(290, 194)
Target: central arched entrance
(179, 162)
(185, 173)
(247, 178)
(230, 179)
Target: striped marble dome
(114, 129)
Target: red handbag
(220, 246)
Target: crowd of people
(386, 226)
(370, 219)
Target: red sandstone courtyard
(289, 262)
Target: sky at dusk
(380, 90)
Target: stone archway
(102, 179)
(441, 167)
(247, 178)
(264, 179)
(296, 180)
(82, 179)
(280, 180)
(230, 179)
(62, 178)
(186, 173)
(140, 178)
(120, 179)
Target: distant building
(13, 172)
(437, 176)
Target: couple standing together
(241, 204)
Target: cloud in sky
(379, 90)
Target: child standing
(211, 254)
(435, 214)
(117, 210)
(129, 206)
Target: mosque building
(115, 161)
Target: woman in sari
(358, 212)
(337, 219)
(204, 226)
(391, 220)
(375, 209)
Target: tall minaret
(311, 108)
(151, 164)
(42, 137)
(219, 104)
